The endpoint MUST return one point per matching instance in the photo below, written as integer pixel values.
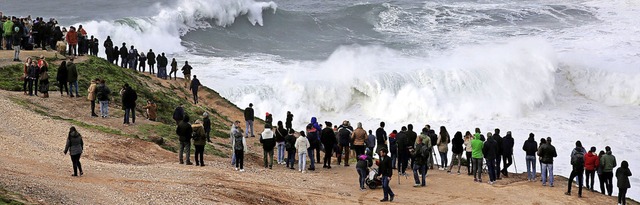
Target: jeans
(195, 96)
(75, 160)
(601, 180)
(497, 166)
(457, 157)
(422, 169)
(573, 174)
(443, 159)
(72, 48)
(93, 107)
(327, 155)
(590, 179)
(239, 156)
(622, 196)
(531, 167)
(291, 157)
(404, 161)
(394, 159)
(185, 146)
(249, 125)
(71, 85)
(267, 156)
(608, 182)
(123, 62)
(151, 68)
(302, 161)
(8, 41)
(310, 151)
(385, 187)
(233, 158)
(477, 168)
(280, 146)
(468, 162)
(508, 161)
(362, 176)
(491, 168)
(16, 52)
(126, 115)
(345, 153)
(547, 169)
(199, 155)
(104, 108)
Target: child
(361, 168)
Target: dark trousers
(601, 180)
(578, 174)
(195, 96)
(24, 85)
(385, 187)
(497, 166)
(422, 170)
(468, 162)
(491, 168)
(175, 74)
(608, 182)
(239, 159)
(64, 85)
(311, 152)
(318, 154)
(345, 153)
(359, 149)
(93, 108)
(151, 69)
(622, 196)
(362, 176)
(75, 159)
(508, 161)
(199, 155)
(590, 179)
(123, 62)
(291, 158)
(126, 115)
(403, 160)
(30, 85)
(394, 159)
(328, 150)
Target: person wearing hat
(591, 163)
(195, 85)
(207, 125)
(361, 168)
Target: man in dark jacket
(248, 119)
(434, 143)
(184, 132)
(547, 152)
(328, 139)
(344, 138)
(421, 159)
(124, 55)
(498, 139)
(195, 86)
(490, 152)
(186, 72)
(178, 114)
(381, 137)
(577, 162)
(62, 77)
(507, 153)
(290, 142)
(129, 98)
(108, 47)
(72, 78)
(206, 123)
(531, 147)
(411, 140)
(289, 121)
(151, 60)
(386, 172)
(403, 150)
(268, 141)
(102, 94)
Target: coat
(591, 161)
(443, 146)
(184, 131)
(477, 146)
(328, 137)
(456, 147)
(359, 136)
(62, 74)
(507, 145)
(608, 162)
(248, 114)
(302, 144)
(267, 140)
(547, 152)
(92, 91)
(199, 136)
(72, 73)
(129, 98)
(72, 37)
(74, 145)
(623, 174)
(152, 110)
(530, 147)
(490, 149)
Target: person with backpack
(239, 147)
(421, 153)
(457, 150)
(289, 142)
(577, 162)
(313, 144)
(583, 151)
(268, 143)
(199, 141)
(622, 174)
(490, 152)
(328, 139)
(302, 146)
(530, 147)
(547, 152)
(507, 153)
(443, 146)
(591, 163)
(184, 132)
(477, 145)
(344, 132)
(393, 148)
(102, 94)
(75, 146)
(608, 163)
(178, 114)
(248, 118)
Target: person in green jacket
(476, 154)
(608, 162)
(72, 77)
(8, 33)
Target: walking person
(62, 77)
(477, 146)
(421, 153)
(443, 146)
(591, 163)
(75, 146)
(362, 170)
(547, 152)
(456, 149)
(91, 96)
(72, 78)
(507, 153)
(199, 141)
(184, 132)
(129, 98)
(281, 133)
(328, 139)
(186, 71)
(239, 147)
(102, 94)
(577, 162)
(608, 163)
(386, 172)
(151, 60)
(195, 86)
(302, 145)
(289, 144)
(468, 150)
(268, 143)
(206, 123)
(530, 147)
(622, 174)
(174, 69)
(248, 118)
(490, 152)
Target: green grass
(10, 198)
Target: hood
(74, 134)
(531, 138)
(196, 125)
(314, 120)
(476, 136)
(578, 150)
(624, 164)
(609, 152)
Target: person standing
(498, 139)
(102, 94)
(239, 147)
(622, 174)
(195, 86)
(289, 120)
(62, 77)
(72, 41)
(186, 71)
(403, 151)
(281, 133)
(132, 58)
(393, 149)
(591, 163)
(108, 48)
(44, 76)
(411, 140)
(312, 138)
(507, 153)
(386, 172)
(124, 55)
(608, 163)
(32, 77)
(530, 147)
(72, 77)
(199, 141)
(421, 153)
(381, 137)
(162, 67)
(289, 144)
(91, 96)
(477, 146)
(129, 98)
(344, 133)
(151, 60)
(302, 145)
(75, 146)
(184, 132)
(468, 150)
(443, 146)
(174, 69)
(206, 123)
(490, 152)
(434, 144)
(371, 141)
(268, 143)
(457, 150)
(599, 172)
(359, 137)
(8, 33)
(547, 152)
(577, 162)
(248, 118)
(328, 139)
(178, 114)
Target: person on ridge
(622, 174)
(199, 141)
(591, 163)
(178, 114)
(268, 143)
(151, 60)
(206, 123)
(477, 145)
(312, 137)
(239, 146)
(371, 141)
(328, 139)
(72, 78)
(302, 145)
(608, 163)
(184, 132)
(281, 134)
(174, 69)
(195, 86)
(577, 162)
(498, 139)
(316, 144)
(143, 62)
(248, 118)
(124, 56)
(457, 150)
(102, 93)
(162, 67)
(91, 96)
(507, 153)
(61, 77)
(411, 140)
(129, 98)
(530, 147)
(393, 148)
(186, 71)
(547, 152)
(75, 146)
(268, 118)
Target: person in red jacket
(591, 163)
(72, 40)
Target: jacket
(302, 144)
(359, 136)
(403, 143)
(174, 66)
(72, 37)
(92, 91)
(75, 145)
(248, 114)
(124, 53)
(490, 149)
(184, 131)
(530, 146)
(477, 146)
(129, 98)
(72, 73)
(591, 161)
(235, 133)
(195, 83)
(281, 132)
(199, 136)
(381, 136)
(371, 141)
(152, 109)
(411, 138)
(344, 135)
(393, 144)
(547, 152)
(456, 147)
(443, 146)
(507, 145)
(385, 167)
(608, 162)
(267, 140)
(186, 69)
(418, 156)
(291, 140)
(8, 28)
(328, 137)
(62, 74)
(623, 174)
(151, 58)
(498, 140)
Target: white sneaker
(303, 171)
(242, 170)
(236, 168)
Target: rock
(156, 139)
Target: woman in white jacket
(302, 144)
